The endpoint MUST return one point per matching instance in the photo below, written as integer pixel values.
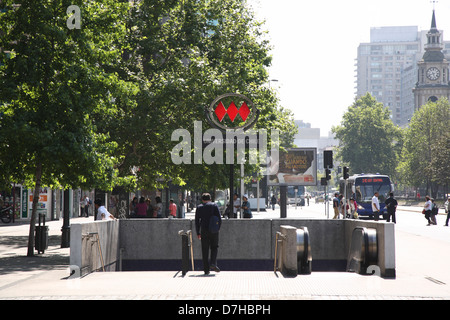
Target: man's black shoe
(215, 268)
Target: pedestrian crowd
(350, 209)
(245, 208)
(144, 208)
(139, 208)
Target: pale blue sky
(315, 45)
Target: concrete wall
(84, 251)
(327, 237)
(152, 239)
(154, 244)
(244, 244)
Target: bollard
(186, 242)
(289, 252)
(295, 251)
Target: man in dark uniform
(391, 206)
(207, 225)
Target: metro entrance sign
(225, 118)
(223, 113)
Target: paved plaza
(45, 276)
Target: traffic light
(346, 173)
(327, 159)
(327, 174)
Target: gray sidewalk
(45, 277)
(52, 284)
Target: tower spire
(433, 20)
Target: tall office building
(388, 67)
(381, 62)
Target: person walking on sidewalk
(246, 209)
(391, 206)
(273, 201)
(336, 205)
(427, 209)
(447, 210)
(141, 208)
(376, 206)
(353, 208)
(87, 203)
(434, 211)
(172, 209)
(207, 225)
(236, 205)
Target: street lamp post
(65, 235)
(272, 80)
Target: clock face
(433, 73)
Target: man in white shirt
(86, 206)
(428, 206)
(102, 212)
(376, 206)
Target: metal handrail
(97, 239)
(278, 235)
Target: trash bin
(41, 235)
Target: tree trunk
(37, 190)
(434, 190)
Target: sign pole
(231, 188)
(283, 209)
(242, 188)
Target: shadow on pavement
(13, 256)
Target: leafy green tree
(368, 140)
(54, 86)
(426, 149)
(179, 56)
(96, 106)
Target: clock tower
(433, 70)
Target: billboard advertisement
(297, 167)
(44, 203)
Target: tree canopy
(368, 140)
(425, 154)
(95, 107)
(179, 56)
(54, 87)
